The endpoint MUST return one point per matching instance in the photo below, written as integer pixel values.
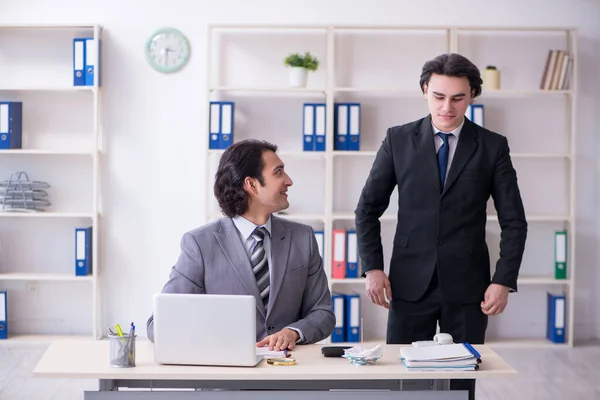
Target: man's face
(273, 195)
(447, 98)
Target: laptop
(206, 329)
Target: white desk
(325, 378)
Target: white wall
(155, 124)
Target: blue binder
(351, 254)
(79, 61)
(92, 61)
(354, 127)
(3, 315)
(556, 318)
(83, 251)
(308, 127)
(320, 127)
(220, 124)
(475, 114)
(352, 317)
(320, 238)
(338, 302)
(341, 118)
(11, 125)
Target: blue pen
(285, 352)
(472, 350)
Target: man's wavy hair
(452, 64)
(239, 161)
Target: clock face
(167, 50)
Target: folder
(341, 126)
(353, 317)
(320, 127)
(475, 114)
(354, 131)
(338, 302)
(11, 125)
(220, 123)
(308, 125)
(3, 316)
(556, 318)
(320, 237)
(339, 254)
(351, 254)
(92, 61)
(83, 251)
(560, 255)
(79, 61)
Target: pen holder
(122, 351)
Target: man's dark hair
(240, 160)
(452, 65)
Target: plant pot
(298, 77)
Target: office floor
(544, 374)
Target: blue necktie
(442, 157)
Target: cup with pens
(122, 347)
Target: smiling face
(447, 98)
(272, 196)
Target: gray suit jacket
(213, 261)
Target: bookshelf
(62, 145)
(379, 67)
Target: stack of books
(443, 357)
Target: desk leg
(107, 385)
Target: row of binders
(557, 71)
(346, 126)
(345, 254)
(346, 308)
(86, 61)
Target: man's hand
(495, 299)
(377, 282)
(285, 338)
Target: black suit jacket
(442, 227)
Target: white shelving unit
(379, 66)
(62, 144)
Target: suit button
(270, 328)
(440, 242)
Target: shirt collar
(455, 132)
(246, 227)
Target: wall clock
(167, 50)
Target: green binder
(560, 255)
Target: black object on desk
(334, 351)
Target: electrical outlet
(32, 287)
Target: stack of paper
(447, 357)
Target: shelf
(309, 217)
(41, 338)
(266, 89)
(350, 217)
(348, 281)
(521, 93)
(361, 153)
(48, 89)
(49, 26)
(47, 152)
(291, 154)
(523, 343)
(538, 218)
(21, 276)
(15, 214)
(521, 281)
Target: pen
(119, 331)
(285, 352)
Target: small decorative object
(361, 356)
(491, 78)
(167, 50)
(299, 67)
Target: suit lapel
(233, 249)
(467, 144)
(281, 239)
(425, 146)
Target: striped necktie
(260, 264)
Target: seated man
(251, 251)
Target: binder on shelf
(475, 114)
(338, 265)
(560, 255)
(338, 302)
(79, 61)
(354, 131)
(351, 254)
(320, 236)
(353, 317)
(556, 318)
(92, 61)
(83, 251)
(11, 125)
(308, 124)
(220, 123)
(3, 315)
(320, 127)
(341, 126)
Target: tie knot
(444, 136)
(259, 233)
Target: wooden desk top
(89, 359)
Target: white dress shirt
(452, 142)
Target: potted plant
(299, 67)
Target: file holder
(122, 351)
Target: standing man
(446, 168)
(251, 251)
